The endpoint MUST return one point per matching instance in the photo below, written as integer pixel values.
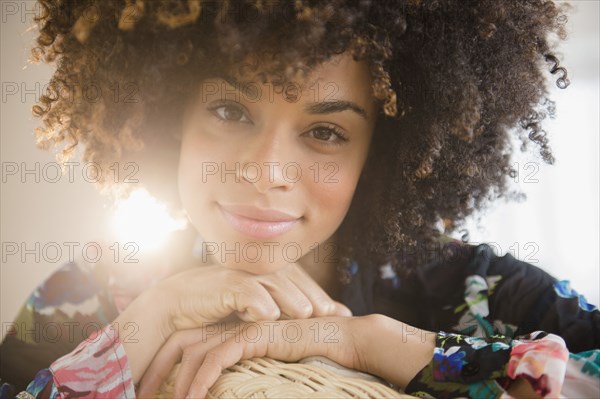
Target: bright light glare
(143, 220)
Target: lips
(265, 215)
(259, 223)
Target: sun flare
(144, 220)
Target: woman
(309, 143)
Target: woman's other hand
(205, 352)
(375, 344)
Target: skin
(275, 131)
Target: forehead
(339, 78)
(342, 74)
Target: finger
(253, 302)
(321, 302)
(218, 359)
(164, 361)
(341, 310)
(292, 301)
(157, 372)
(190, 363)
(244, 316)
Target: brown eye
(230, 113)
(322, 133)
(328, 135)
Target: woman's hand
(205, 352)
(375, 344)
(208, 294)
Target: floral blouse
(498, 319)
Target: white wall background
(557, 227)
(34, 212)
(559, 221)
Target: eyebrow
(328, 107)
(316, 108)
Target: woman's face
(266, 175)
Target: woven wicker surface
(268, 378)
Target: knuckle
(214, 358)
(187, 356)
(263, 307)
(174, 341)
(248, 285)
(303, 309)
(323, 306)
(273, 313)
(246, 292)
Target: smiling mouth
(258, 223)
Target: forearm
(396, 351)
(142, 332)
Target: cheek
(200, 161)
(186, 175)
(193, 172)
(332, 194)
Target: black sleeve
(473, 291)
(533, 300)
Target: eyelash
(341, 136)
(213, 109)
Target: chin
(256, 257)
(258, 267)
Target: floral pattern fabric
(489, 310)
(105, 374)
(483, 368)
(492, 321)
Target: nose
(268, 163)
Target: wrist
(143, 328)
(393, 350)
